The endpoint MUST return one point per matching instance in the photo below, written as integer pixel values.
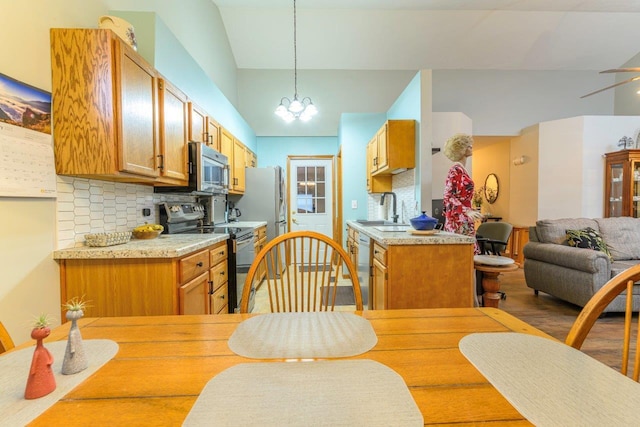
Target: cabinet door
(219, 301)
(213, 134)
(174, 113)
(379, 285)
(197, 123)
(194, 296)
(226, 148)
(136, 85)
(238, 166)
(383, 148)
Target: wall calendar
(27, 166)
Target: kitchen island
(417, 271)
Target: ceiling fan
(617, 70)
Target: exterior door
(311, 199)
(311, 195)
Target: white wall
(445, 125)
(571, 163)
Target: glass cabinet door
(615, 189)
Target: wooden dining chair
(6, 343)
(594, 307)
(302, 271)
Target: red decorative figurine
(41, 380)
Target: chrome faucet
(395, 214)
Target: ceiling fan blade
(612, 86)
(622, 70)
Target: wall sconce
(519, 161)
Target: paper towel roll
(382, 212)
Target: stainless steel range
(189, 217)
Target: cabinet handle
(210, 287)
(200, 264)
(161, 156)
(222, 273)
(221, 253)
(210, 138)
(222, 296)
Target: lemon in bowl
(147, 231)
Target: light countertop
(164, 246)
(388, 238)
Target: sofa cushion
(587, 238)
(622, 236)
(555, 230)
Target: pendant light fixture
(290, 110)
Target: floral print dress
(458, 193)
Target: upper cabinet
(622, 184)
(203, 128)
(394, 148)
(108, 109)
(173, 133)
(236, 153)
(390, 151)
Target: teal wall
(354, 133)
(407, 105)
(158, 45)
(273, 150)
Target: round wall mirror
(491, 188)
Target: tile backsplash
(403, 184)
(92, 206)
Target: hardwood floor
(555, 317)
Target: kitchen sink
(374, 222)
(395, 227)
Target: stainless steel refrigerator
(265, 199)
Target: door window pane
(310, 184)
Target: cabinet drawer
(219, 301)
(218, 253)
(193, 265)
(353, 234)
(380, 253)
(219, 275)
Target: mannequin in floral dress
(458, 191)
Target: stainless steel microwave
(208, 172)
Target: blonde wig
(456, 146)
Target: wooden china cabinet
(622, 184)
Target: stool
(491, 266)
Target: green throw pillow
(587, 238)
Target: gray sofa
(576, 274)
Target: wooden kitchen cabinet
(203, 127)
(353, 247)
(219, 279)
(235, 151)
(260, 239)
(192, 284)
(422, 276)
(174, 154)
(622, 184)
(393, 148)
(239, 159)
(105, 107)
(378, 183)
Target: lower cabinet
(193, 284)
(260, 239)
(422, 276)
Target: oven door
(245, 254)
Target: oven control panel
(176, 212)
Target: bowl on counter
(146, 234)
(423, 222)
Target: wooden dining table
(164, 362)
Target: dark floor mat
(344, 295)
(305, 268)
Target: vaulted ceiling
(399, 36)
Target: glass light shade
(305, 117)
(311, 109)
(289, 117)
(281, 110)
(296, 106)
